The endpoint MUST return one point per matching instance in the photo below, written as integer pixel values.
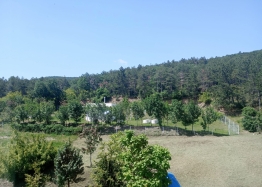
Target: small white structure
(88, 118)
(110, 104)
(146, 121)
(154, 121)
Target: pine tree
(68, 165)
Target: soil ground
(233, 161)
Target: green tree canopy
(75, 110)
(190, 114)
(154, 106)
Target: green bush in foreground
(29, 157)
(68, 165)
(128, 160)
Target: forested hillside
(232, 81)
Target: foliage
(37, 179)
(252, 119)
(144, 164)
(154, 106)
(68, 165)
(230, 82)
(209, 115)
(128, 160)
(137, 110)
(48, 129)
(175, 111)
(96, 112)
(28, 154)
(92, 139)
(118, 115)
(205, 98)
(108, 167)
(75, 110)
(20, 113)
(46, 110)
(126, 106)
(190, 114)
(63, 114)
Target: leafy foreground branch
(128, 160)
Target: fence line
(233, 128)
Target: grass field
(204, 161)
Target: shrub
(128, 160)
(28, 154)
(252, 119)
(48, 129)
(68, 165)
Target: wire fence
(233, 128)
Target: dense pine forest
(232, 81)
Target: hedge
(48, 129)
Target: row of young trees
(19, 108)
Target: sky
(70, 38)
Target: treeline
(232, 81)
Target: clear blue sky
(70, 38)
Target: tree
(175, 111)
(3, 87)
(68, 165)
(128, 160)
(118, 115)
(46, 110)
(31, 108)
(155, 107)
(40, 90)
(137, 110)
(92, 139)
(75, 110)
(20, 113)
(125, 104)
(108, 167)
(70, 94)
(83, 83)
(143, 164)
(28, 154)
(55, 92)
(252, 119)
(63, 114)
(190, 114)
(209, 115)
(96, 112)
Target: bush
(28, 154)
(48, 129)
(128, 160)
(252, 119)
(68, 165)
